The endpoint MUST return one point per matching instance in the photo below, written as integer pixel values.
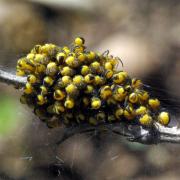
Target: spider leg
(120, 61)
(105, 53)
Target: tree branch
(12, 79)
(135, 133)
(155, 135)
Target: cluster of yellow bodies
(72, 85)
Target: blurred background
(143, 33)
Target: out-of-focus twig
(135, 133)
(69, 4)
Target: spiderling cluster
(71, 85)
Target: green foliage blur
(8, 114)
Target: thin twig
(135, 133)
(11, 79)
(155, 135)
